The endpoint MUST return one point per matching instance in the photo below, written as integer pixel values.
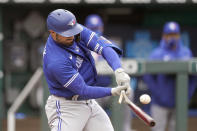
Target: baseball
(145, 99)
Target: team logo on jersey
(72, 22)
(79, 62)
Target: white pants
(127, 117)
(68, 115)
(162, 116)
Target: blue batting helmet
(171, 27)
(95, 23)
(63, 22)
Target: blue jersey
(162, 86)
(69, 70)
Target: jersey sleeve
(97, 43)
(69, 78)
(63, 72)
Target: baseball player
(95, 23)
(70, 73)
(162, 86)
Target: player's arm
(113, 60)
(69, 78)
(79, 87)
(102, 46)
(111, 57)
(97, 43)
(110, 52)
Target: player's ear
(53, 34)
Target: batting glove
(123, 78)
(117, 90)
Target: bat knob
(152, 123)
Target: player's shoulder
(186, 49)
(55, 54)
(86, 35)
(85, 29)
(87, 32)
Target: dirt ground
(34, 124)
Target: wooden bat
(138, 112)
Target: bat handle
(121, 96)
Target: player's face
(170, 36)
(171, 40)
(68, 41)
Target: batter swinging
(70, 73)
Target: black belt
(78, 99)
(75, 98)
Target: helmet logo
(172, 26)
(72, 22)
(94, 21)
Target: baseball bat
(138, 111)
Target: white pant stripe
(59, 114)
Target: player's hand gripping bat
(139, 112)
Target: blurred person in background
(95, 23)
(162, 87)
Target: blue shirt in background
(163, 86)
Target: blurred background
(135, 25)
